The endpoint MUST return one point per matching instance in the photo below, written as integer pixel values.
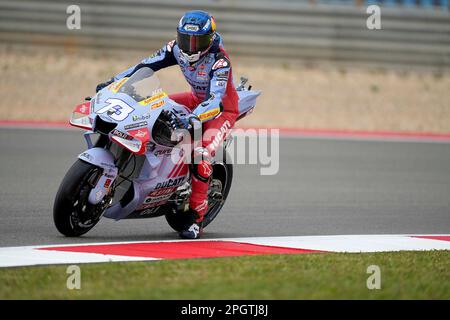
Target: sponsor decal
(205, 169)
(202, 75)
(136, 125)
(209, 59)
(83, 108)
(209, 114)
(98, 195)
(169, 46)
(149, 200)
(85, 121)
(165, 152)
(134, 144)
(162, 192)
(153, 98)
(221, 63)
(107, 183)
(86, 156)
(109, 176)
(157, 91)
(169, 183)
(201, 88)
(159, 196)
(156, 54)
(108, 165)
(196, 86)
(207, 24)
(157, 104)
(191, 27)
(148, 211)
(182, 61)
(116, 85)
(221, 134)
(221, 83)
(141, 134)
(223, 74)
(154, 204)
(144, 116)
(122, 135)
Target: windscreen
(141, 85)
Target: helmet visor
(193, 43)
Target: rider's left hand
(104, 84)
(173, 121)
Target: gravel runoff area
(40, 83)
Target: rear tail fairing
(247, 98)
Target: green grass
(404, 275)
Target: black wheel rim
(83, 213)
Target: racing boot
(198, 203)
(193, 229)
(198, 206)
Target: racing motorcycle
(128, 170)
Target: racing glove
(190, 123)
(104, 84)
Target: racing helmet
(195, 34)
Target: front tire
(72, 214)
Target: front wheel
(73, 215)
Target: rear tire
(223, 172)
(71, 200)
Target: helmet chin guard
(193, 57)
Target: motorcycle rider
(213, 100)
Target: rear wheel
(73, 215)
(219, 189)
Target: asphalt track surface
(323, 187)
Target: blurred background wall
(414, 33)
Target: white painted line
(352, 243)
(30, 256)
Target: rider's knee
(201, 167)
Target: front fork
(100, 157)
